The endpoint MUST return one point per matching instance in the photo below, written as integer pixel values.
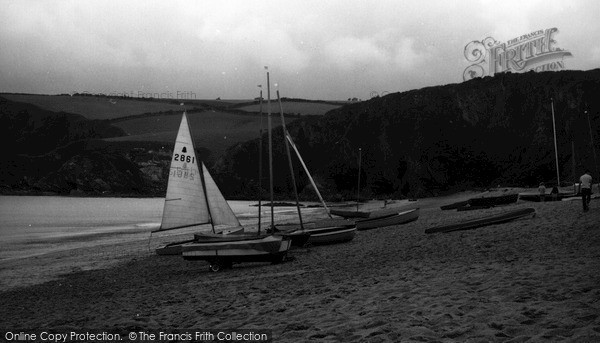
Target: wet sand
(533, 279)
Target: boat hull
(234, 234)
(388, 220)
(455, 205)
(323, 231)
(299, 238)
(548, 197)
(331, 235)
(481, 222)
(494, 201)
(172, 248)
(349, 214)
(269, 248)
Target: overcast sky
(314, 49)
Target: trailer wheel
(214, 267)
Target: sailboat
(326, 231)
(194, 200)
(377, 218)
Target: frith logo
(535, 51)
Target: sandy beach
(530, 280)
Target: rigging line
(289, 138)
(289, 156)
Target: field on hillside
(97, 107)
(93, 107)
(215, 131)
(296, 107)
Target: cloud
(219, 48)
(351, 52)
(407, 57)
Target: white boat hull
(331, 235)
(239, 250)
(388, 220)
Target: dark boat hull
(481, 222)
(494, 201)
(388, 220)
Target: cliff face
(480, 133)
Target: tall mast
(287, 150)
(555, 148)
(270, 146)
(358, 187)
(260, 178)
(574, 171)
(201, 171)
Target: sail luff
(220, 211)
(203, 178)
(185, 204)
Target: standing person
(542, 190)
(586, 190)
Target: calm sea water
(36, 225)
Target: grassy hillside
(93, 107)
(212, 130)
(296, 107)
(126, 152)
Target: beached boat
(325, 231)
(388, 220)
(455, 205)
(223, 252)
(194, 200)
(473, 208)
(494, 200)
(349, 214)
(535, 197)
(330, 235)
(484, 221)
(320, 232)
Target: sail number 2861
(184, 158)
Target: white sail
(220, 211)
(185, 203)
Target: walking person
(586, 190)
